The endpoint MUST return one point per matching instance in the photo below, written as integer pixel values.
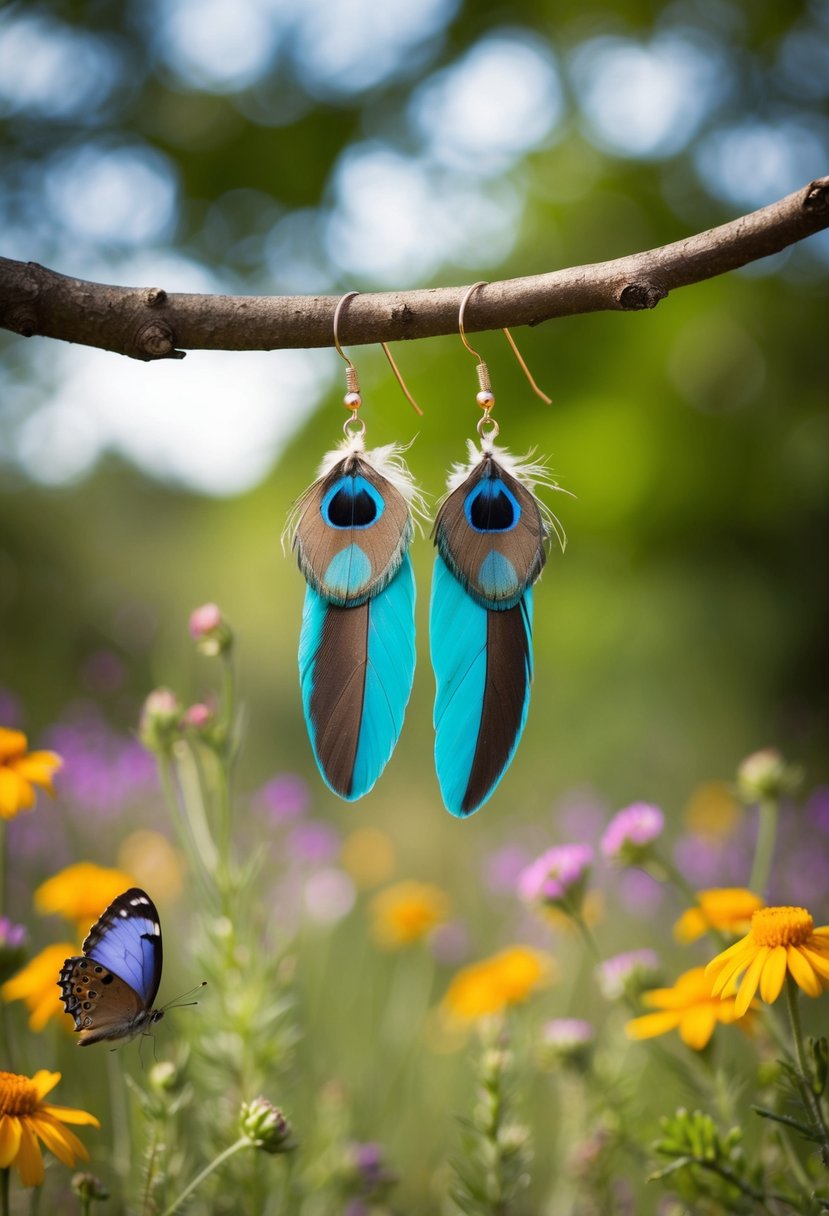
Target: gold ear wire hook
(483, 370)
(353, 400)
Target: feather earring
(351, 532)
(490, 534)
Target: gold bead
(352, 401)
(485, 399)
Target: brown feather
(337, 700)
(508, 672)
(464, 549)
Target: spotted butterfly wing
(109, 990)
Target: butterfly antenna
(178, 1002)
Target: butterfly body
(109, 990)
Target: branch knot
(646, 294)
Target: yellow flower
(21, 771)
(781, 941)
(368, 856)
(37, 984)
(81, 892)
(503, 979)
(713, 811)
(24, 1116)
(688, 1007)
(406, 912)
(729, 909)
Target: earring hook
(353, 399)
(487, 426)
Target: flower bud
(567, 1041)
(557, 879)
(765, 774)
(164, 1076)
(266, 1127)
(630, 833)
(210, 631)
(159, 725)
(88, 1188)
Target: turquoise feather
(365, 658)
(470, 756)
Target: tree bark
(148, 323)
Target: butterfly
(110, 989)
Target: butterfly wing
(127, 940)
(103, 1005)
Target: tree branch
(150, 324)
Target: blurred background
(307, 146)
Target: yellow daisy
(406, 912)
(37, 984)
(688, 1007)
(20, 771)
(81, 892)
(24, 1117)
(728, 909)
(488, 987)
(781, 942)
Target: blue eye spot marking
(352, 502)
(491, 507)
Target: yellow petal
(803, 974)
(652, 1024)
(697, 1025)
(59, 1140)
(9, 1139)
(38, 768)
(691, 925)
(29, 1159)
(10, 790)
(67, 1114)
(751, 979)
(44, 1082)
(736, 964)
(12, 743)
(818, 961)
(774, 973)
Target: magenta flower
(628, 836)
(285, 797)
(557, 877)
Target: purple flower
(329, 895)
(502, 867)
(628, 836)
(285, 797)
(103, 769)
(372, 1175)
(313, 842)
(11, 935)
(557, 876)
(634, 970)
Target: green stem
(86, 1207)
(764, 848)
(192, 796)
(678, 879)
(119, 1116)
(809, 1096)
(587, 933)
(4, 1191)
(242, 1142)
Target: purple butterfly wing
(127, 940)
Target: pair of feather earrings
(351, 531)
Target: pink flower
(630, 833)
(557, 876)
(197, 716)
(206, 619)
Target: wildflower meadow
(414, 492)
(581, 1027)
